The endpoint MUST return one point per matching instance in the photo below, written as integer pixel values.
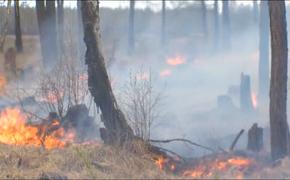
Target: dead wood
(255, 138)
(236, 140)
(117, 128)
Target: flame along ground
(209, 167)
(14, 130)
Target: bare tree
(116, 128)
(131, 31)
(18, 34)
(278, 90)
(264, 53)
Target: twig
(182, 140)
(236, 140)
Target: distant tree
(51, 31)
(204, 20)
(264, 53)
(40, 12)
(256, 10)
(116, 128)
(131, 31)
(278, 91)
(226, 25)
(163, 22)
(46, 17)
(60, 25)
(216, 26)
(18, 34)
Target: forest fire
(14, 130)
(209, 167)
(175, 61)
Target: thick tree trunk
(51, 32)
(60, 23)
(18, 34)
(204, 20)
(163, 23)
(226, 26)
(278, 90)
(264, 53)
(216, 35)
(131, 31)
(117, 130)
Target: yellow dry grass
(77, 162)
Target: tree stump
(255, 138)
(10, 62)
(246, 104)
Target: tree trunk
(40, 12)
(264, 53)
(60, 23)
(131, 31)
(255, 138)
(246, 104)
(204, 20)
(226, 26)
(163, 23)
(18, 35)
(278, 90)
(256, 10)
(51, 32)
(216, 27)
(117, 130)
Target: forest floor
(76, 162)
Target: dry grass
(77, 162)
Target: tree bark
(278, 90)
(264, 53)
(163, 23)
(131, 31)
(226, 26)
(117, 130)
(18, 34)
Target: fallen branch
(182, 140)
(236, 140)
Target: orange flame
(205, 170)
(254, 100)
(177, 60)
(15, 131)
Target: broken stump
(255, 138)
